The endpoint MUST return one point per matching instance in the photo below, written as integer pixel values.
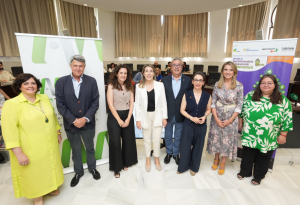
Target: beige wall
(10, 62)
(216, 55)
(216, 44)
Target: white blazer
(141, 105)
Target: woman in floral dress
(227, 101)
(266, 118)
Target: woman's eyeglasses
(198, 80)
(268, 84)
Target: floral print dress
(263, 122)
(225, 140)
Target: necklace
(41, 108)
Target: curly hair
(23, 78)
(113, 78)
(275, 97)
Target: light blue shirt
(76, 86)
(176, 85)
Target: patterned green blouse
(263, 122)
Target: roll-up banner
(48, 58)
(256, 58)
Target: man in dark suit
(77, 100)
(175, 86)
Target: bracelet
(283, 135)
(59, 133)
(232, 119)
(190, 118)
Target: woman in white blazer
(151, 113)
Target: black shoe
(95, 173)
(75, 180)
(167, 159)
(177, 159)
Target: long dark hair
(275, 97)
(113, 79)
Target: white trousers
(148, 133)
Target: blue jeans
(75, 142)
(173, 147)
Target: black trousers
(261, 160)
(121, 154)
(191, 147)
(75, 141)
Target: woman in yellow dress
(31, 133)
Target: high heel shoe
(192, 173)
(221, 171)
(158, 167)
(215, 167)
(117, 175)
(148, 169)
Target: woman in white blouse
(151, 113)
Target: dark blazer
(71, 107)
(172, 103)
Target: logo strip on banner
(257, 58)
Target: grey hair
(79, 58)
(177, 59)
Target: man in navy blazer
(77, 100)
(176, 85)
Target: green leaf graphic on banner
(100, 144)
(66, 149)
(99, 49)
(83, 154)
(39, 49)
(80, 43)
(50, 86)
(42, 91)
(55, 81)
(66, 153)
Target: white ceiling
(163, 7)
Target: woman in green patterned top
(266, 118)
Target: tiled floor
(136, 186)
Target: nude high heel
(158, 167)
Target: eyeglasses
(200, 80)
(176, 65)
(268, 84)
